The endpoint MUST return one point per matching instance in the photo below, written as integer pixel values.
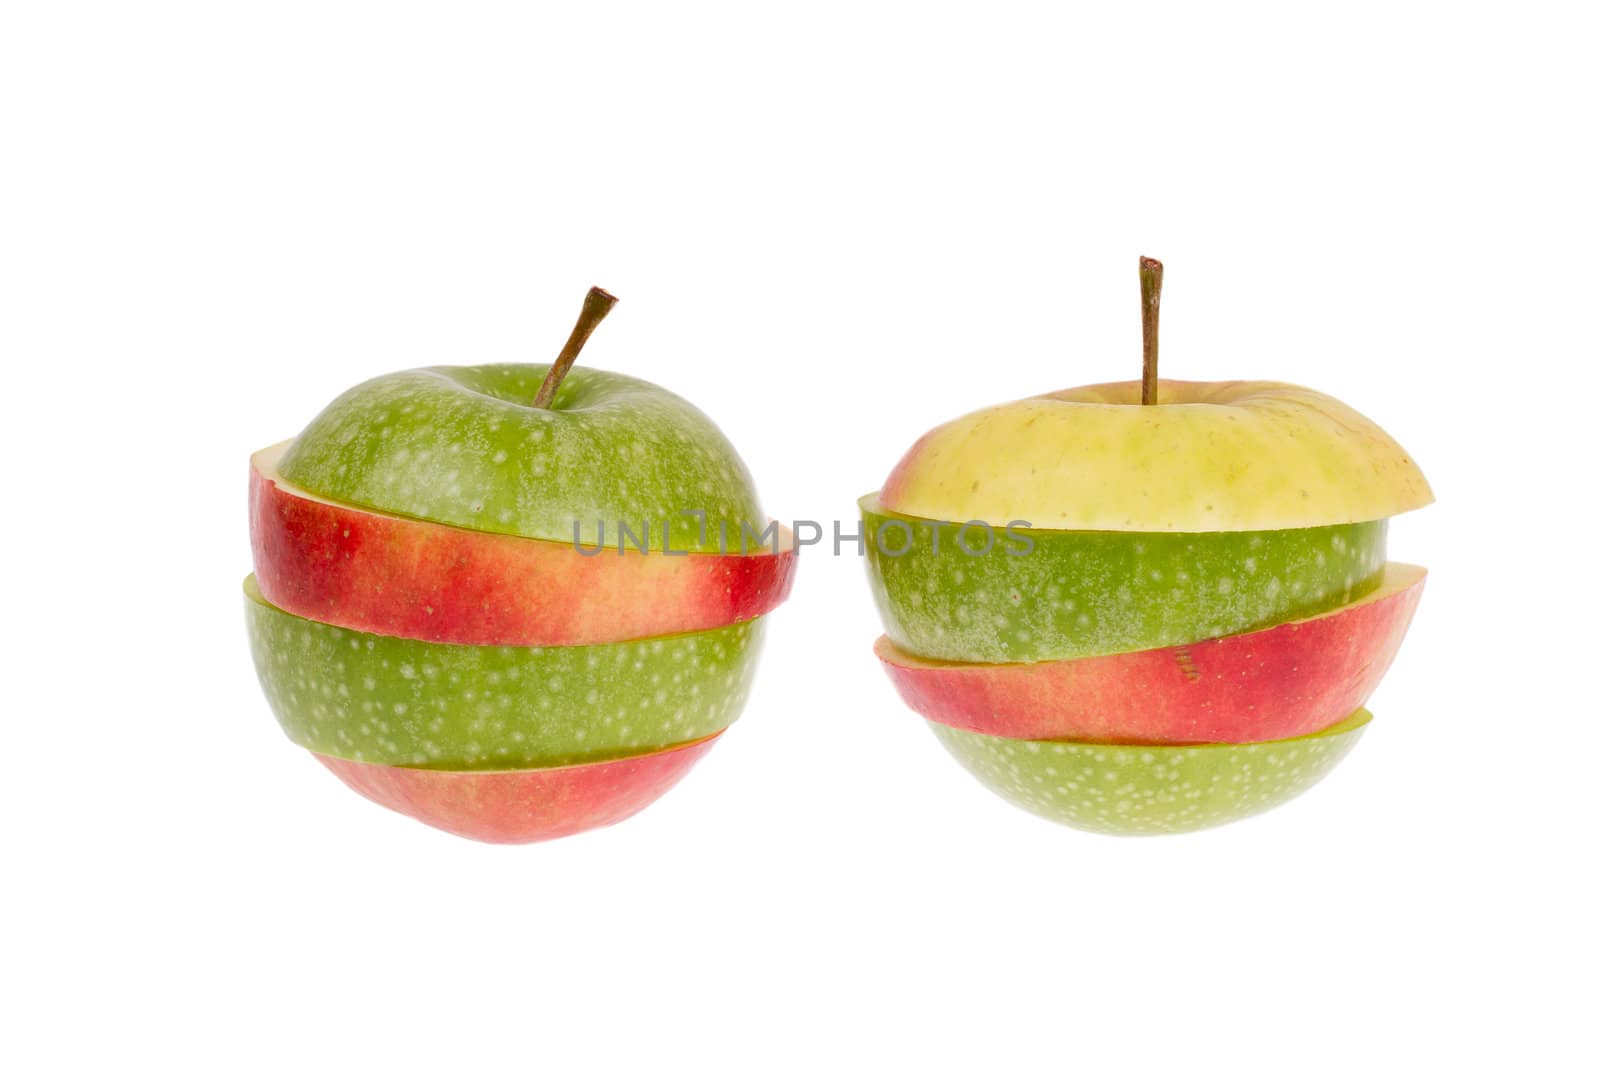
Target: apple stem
(1150, 294)
(596, 305)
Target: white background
(831, 226)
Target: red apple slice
(1284, 681)
(401, 577)
(520, 807)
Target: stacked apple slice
(432, 615)
(1158, 616)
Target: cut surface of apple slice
(521, 807)
(1150, 789)
(1087, 593)
(1210, 456)
(390, 700)
(1285, 681)
(406, 577)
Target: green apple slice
(400, 702)
(1150, 789)
(466, 447)
(950, 594)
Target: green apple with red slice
(511, 600)
(1107, 572)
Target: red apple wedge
(401, 577)
(1284, 681)
(521, 807)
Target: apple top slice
(466, 446)
(1209, 456)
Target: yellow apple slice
(1210, 456)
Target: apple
(1093, 592)
(1292, 679)
(1150, 789)
(512, 600)
(521, 807)
(385, 574)
(1146, 606)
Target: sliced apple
(1092, 593)
(520, 807)
(1209, 456)
(376, 699)
(1150, 789)
(406, 577)
(1285, 681)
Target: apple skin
(1093, 593)
(385, 574)
(521, 807)
(377, 699)
(1210, 456)
(1293, 679)
(465, 447)
(1150, 789)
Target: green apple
(392, 700)
(466, 446)
(437, 622)
(1150, 789)
(1092, 593)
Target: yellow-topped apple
(1141, 571)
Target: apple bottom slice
(402, 577)
(1150, 789)
(1284, 681)
(520, 807)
